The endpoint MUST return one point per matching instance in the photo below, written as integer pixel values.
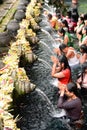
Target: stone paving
(4, 11)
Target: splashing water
(53, 111)
(43, 43)
(46, 63)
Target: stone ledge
(8, 7)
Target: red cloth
(67, 78)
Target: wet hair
(63, 59)
(72, 87)
(83, 48)
(62, 46)
(61, 30)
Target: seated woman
(72, 104)
(83, 56)
(82, 80)
(65, 37)
(65, 25)
(80, 25)
(83, 38)
(61, 69)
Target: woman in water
(83, 38)
(83, 56)
(72, 103)
(65, 37)
(72, 57)
(61, 69)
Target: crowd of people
(68, 60)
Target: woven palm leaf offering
(30, 57)
(9, 121)
(25, 23)
(30, 15)
(16, 48)
(21, 33)
(22, 83)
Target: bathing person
(70, 53)
(72, 57)
(65, 25)
(82, 80)
(61, 69)
(83, 38)
(80, 25)
(53, 21)
(65, 37)
(72, 104)
(83, 56)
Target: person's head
(81, 20)
(63, 48)
(85, 16)
(49, 16)
(84, 30)
(83, 48)
(64, 23)
(63, 62)
(61, 32)
(71, 89)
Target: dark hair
(81, 18)
(83, 48)
(72, 87)
(63, 59)
(85, 28)
(62, 46)
(83, 68)
(61, 30)
(65, 23)
(49, 16)
(85, 16)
